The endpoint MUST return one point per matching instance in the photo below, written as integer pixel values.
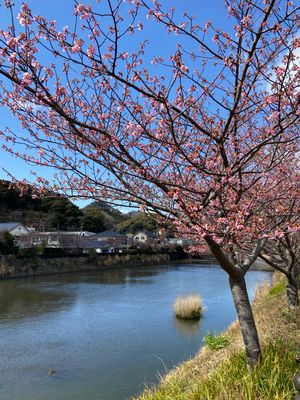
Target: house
(75, 233)
(104, 242)
(110, 236)
(86, 245)
(56, 239)
(39, 238)
(115, 242)
(14, 228)
(100, 246)
(145, 237)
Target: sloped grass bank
(222, 374)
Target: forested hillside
(137, 221)
(54, 212)
(47, 212)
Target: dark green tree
(62, 214)
(7, 243)
(93, 219)
(138, 222)
(11, 197)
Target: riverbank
(222, 374)
(14, 267)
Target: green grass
(278, 288)
(216, 342)
(270, 380)
(223, 374)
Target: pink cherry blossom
(205, 135)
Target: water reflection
(147, 272)
(134, 281)
(121, 276)
(104, 332)
(21, 301)
(187, 328)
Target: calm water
(106, 334)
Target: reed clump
(188, 307)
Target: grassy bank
(222, 374)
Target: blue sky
(61, 11)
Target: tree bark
(241, 301)
(246, 320)
(292, 287)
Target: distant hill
(137, 221)
(99, 210)
(58, 212)
(47, 212)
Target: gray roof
(90, 244)
(108, 234)
(8, 226)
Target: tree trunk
(246, 320)
(292, 287)
(241, 300)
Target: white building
(144, 237)
(14, 228)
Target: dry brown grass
(188, 307)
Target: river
(106, 334)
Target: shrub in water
(188, 307)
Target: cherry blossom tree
(283, 254)
(198, 136)
(281, 251)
